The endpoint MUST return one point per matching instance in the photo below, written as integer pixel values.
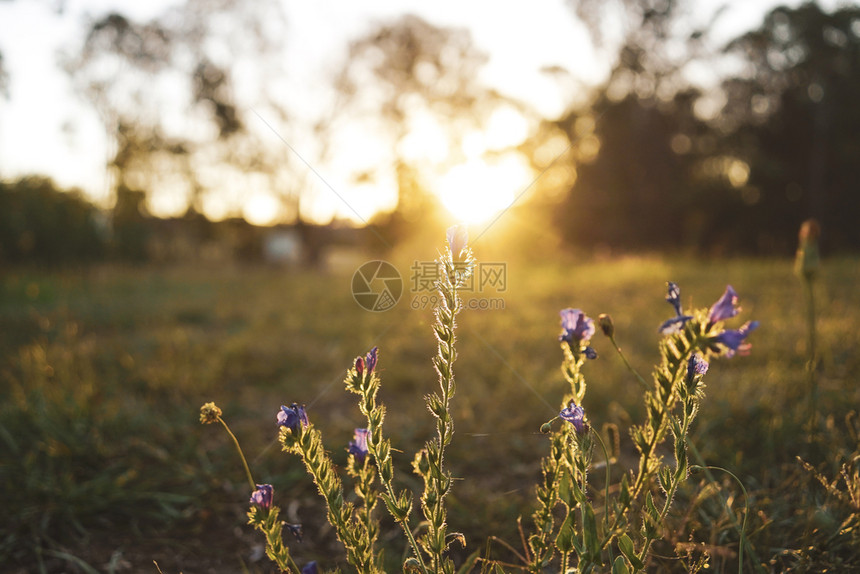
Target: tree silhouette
(404, 73)
(167, 93)
(793, 117)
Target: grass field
(104, 465)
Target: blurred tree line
(39, 222)
(652, 161)
(784, 146)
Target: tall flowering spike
(576, 327)
(725, 307)
(733, 339)
(292, 416)
(262, 497)
(458, 237)
(696, 366)
(575, 415)
(371, 358)
(358, 447)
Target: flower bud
(606, 325)
(808, 261)
(209, 413)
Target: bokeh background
(188, 188)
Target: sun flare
(476, 191)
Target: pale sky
(45, 129)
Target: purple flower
(725, 307)
(458, 237)
(590, 353)
(733, 339)
(295, 530)
(370, 360)
(358, 447)
(575, 415)
(310, 568)
(292, 416)
(696, 366)
(577, 327)
(674, 297)
(675, 324)
(262, 497)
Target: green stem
(405, 525)
(644, 471)
(627, 364)
(740, 528)
(813, 358)
(241, 454)
(606, 458)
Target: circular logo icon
(377, 286)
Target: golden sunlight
(261, 209)
(477, 190)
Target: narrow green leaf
(566, 534)
(620, 566)
(664, 477)
(589, 532)
(565, 491)
(577, 492)
(624, 493)
(625, 545)
(652, 508)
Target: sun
(478, 190)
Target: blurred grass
(102, 373)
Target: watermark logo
(377, 286)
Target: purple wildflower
(674, 297)
(262, 497)
(295, 530)
(458, 237)
(368, 361)
(371, 358)
(675, 324)
(575, 415)
(590, 353)
(310, 568)
(292, 416)
(577, 327)
(696, 366)
(725, 307)
(733, 339)
(358, 447)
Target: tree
(638, 146)
(411, 81)
(166, 90)
(40, 223)
(793, 118)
